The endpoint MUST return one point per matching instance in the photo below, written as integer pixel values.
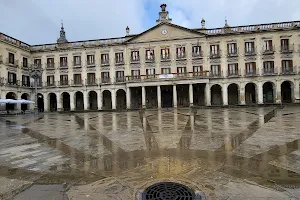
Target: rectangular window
(165, 53)
(105, 58)
(50, 80)
(105, 77)
(90, 59)
(119, 57)
(196, 50)
(64, 80)
(91, 78)
(197, 69)
(251, 68)
(232, 49)
(216, 70)
(77, 60)
(268, 45)
(135, 55)
(269, 66)
(214, 50)
(12, 78)
(120, 76)
(50, 62)
(249, 48)
(233, 69)
(77, 79)
(150, 72)
(11, 58)
(149, 54)
(135, 74)
(180, 52)
(181, 70)
(285, 44)
(287, 65)
(37, 62)
(25, 80)
(165, 70)
(25, 62)
(63, 61)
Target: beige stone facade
(165, 66)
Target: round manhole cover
(168, 191)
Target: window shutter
(254, 66)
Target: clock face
(164, 32)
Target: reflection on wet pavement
(215, 150)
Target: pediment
(165, 31)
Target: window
(77, 60)
(77, 79)
(135, 56)
(64, 80)
(216, 70)
(120, 76)
(165, 53)
(249, 47)
(180, 52)
(269, 66)
(197, 69)
(181, 70)
(135, 74)
(285, 45)
(50, 62)
(233, 69)
(25, 80)
(268, 46)
(251, 68)
(50, 80)
(91, 78)
(232, 49)
(90, 59)
(150, 73)
(214, 50)
(119, 57)
(12, 78)
(105, 77)
(287, 66)
(165, 70)
(63, 61)
(11, 58)
(25, 62)
(37, 62)
(196, 51)
(149, 54)
(104, 58)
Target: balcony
(216, 54)
(76, 82)
(105, 80)
(269, 72)
(37, 65)
(24, 65)
(91, 63)
(63, 65)
(12, 63)
(104, 62)
(50, 66)
(232, 53)
(119, 61)
(181, 56)
(91, 82)
(250, 52)
(135, 59)
(197, 55)
(134, 78)
(165, 58)
(120, 79)
(216, 75)
(26, 84)
(268, 51)
(63, 83)
(76, 64)
(13, 83)
(251, 73)
(287, 49)
(150, 59)
(288, 70)
(50, 84)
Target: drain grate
(168, 191)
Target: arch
(251, 93)
(233, 94)
(25, 96)
(287, 92)
(216, 95)
(66, 101)
(121, 99)
(93, 100)
(107, 103)
(11, 95)
(52, 102)
(79, 104)
(40, 102)
(269, 92)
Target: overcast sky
(39, 21)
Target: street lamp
(36, 72)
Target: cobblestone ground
(236, 153)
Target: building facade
(165, 66)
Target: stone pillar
(113, 99)
(99, 99)
(191, 95)
(207, 95)
(242, 94)
(296, 90)
(46, 103)
(18, 106)
(86, 102)
(278, 92)
(72, 101)
(260, 93)
(128, 99)
(225, 94)
(59, 102)
(158, 97)
(174, 96)
(143, 97)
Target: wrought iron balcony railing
(12, 62)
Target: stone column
(18, 106)
(99, 99)
(46, 102)
(158, 97)
(260, 93)
(278, 92)
(296, 90)
(242, 94)
(72, 101)
(59, 102)
(86, 102)
(113, 99)
(174, 96)
(143, 97)
(207, 94)
(128, 99)
(191, 95)
(225, 94)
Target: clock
(164, 32)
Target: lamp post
(36, 72)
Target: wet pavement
(226, 153)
